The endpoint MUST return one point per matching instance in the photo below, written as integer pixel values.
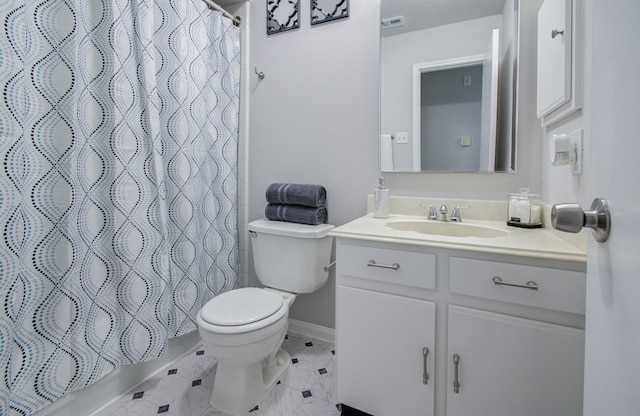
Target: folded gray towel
(296, 213)
(314, 196)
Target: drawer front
(560, 290)
(387, 265)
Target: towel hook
(259, 74)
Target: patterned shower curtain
(118, 185)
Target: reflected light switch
(465, 141)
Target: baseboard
(312, 330)
(112, 386)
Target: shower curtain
(118, 185)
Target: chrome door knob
(571, 218)
(567, 217)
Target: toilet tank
(290, 256)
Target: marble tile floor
(184, 387)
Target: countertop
(536, 243)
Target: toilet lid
(241, 307)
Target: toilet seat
(243, 310)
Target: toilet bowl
(243, 329)
(246, 343)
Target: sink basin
(448, 229)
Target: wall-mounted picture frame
(323, 11)
(282, 15)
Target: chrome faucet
(443, 213)
(433, 216)
(455, 214)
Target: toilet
(244, 328)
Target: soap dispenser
(381, 200)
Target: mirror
(449, 78)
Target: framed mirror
(449, 86)
(282, 15)
(327, 10)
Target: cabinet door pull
(372, 263)
(529, 285)
(425, 374)
(456, 383)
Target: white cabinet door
(379, 349)
(513, 367)
(554, 55)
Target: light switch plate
(465, 141)
(402, 138)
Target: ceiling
(422, 14)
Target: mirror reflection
(449, 78)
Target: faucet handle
(433, 215)
(455, 214)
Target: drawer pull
(456, 383)
(529, 285)
(425, 374)
(394, 266)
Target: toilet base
(250, 384)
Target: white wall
(314, 119)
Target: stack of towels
(301, 203)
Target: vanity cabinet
(382, 356)
(519, 350)
(386, 341)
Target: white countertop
(537, 243)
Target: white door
(489, 113)
(613, 275)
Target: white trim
(312, 330)
(418, 69)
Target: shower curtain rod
(214, 6)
